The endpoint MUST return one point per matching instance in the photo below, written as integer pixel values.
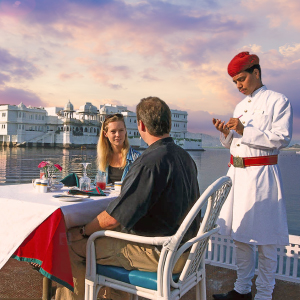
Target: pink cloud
(280, 13)
(16, 9)
(106, 74)
(69, 76)
(15, 96)
(15, 68)
(149, 74)
(150, 29)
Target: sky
(120, 51)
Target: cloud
(150, 29)
(4, 78)
(16, 9)
(15, 96)
(106, 73)
(14, 68)
(280, 13)
(288, 50)
(147, 74)
(69, 76)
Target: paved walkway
(19, 281)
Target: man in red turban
(254, 213)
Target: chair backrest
(215, 196)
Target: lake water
(19, 165)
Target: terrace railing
(221, 253)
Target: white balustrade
(221, 253)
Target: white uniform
(254, 211)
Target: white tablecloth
(22, 209)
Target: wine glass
(84, 181)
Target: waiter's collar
(261, 89)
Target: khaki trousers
(114, 252)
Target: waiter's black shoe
(233, 295)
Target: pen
(239, 116)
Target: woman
(114, 154)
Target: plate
(69, 198)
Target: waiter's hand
(235, 124)
(220, 125)
(74, 234)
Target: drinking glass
(101, 180)
(42, 173)
(84, 181)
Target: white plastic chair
(163, 284)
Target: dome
(88, 108)
(69, 106)
(21, 105)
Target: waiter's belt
(242, 162)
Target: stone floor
(19, 281)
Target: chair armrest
(194, 240)
(90, 247)
(129, 237)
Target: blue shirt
(132, 155)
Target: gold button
(243, 122)
(249, 101)
(238, 145)
(245, 110)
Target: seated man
(156, 195)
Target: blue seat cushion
(146, 280)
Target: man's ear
(142, 126)
(256, 73)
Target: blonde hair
(104, 149)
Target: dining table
(33, 228)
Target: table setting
(80, 188)
(35, 217)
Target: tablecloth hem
(43, 272)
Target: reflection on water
(19, 165)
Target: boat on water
(297, 152)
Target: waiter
(254, 213)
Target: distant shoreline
(291, 149)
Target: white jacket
(255, 209)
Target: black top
(158, 191)
(114, 174)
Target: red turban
(241, 62)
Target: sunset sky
(119, 51)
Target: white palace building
(68, 128)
